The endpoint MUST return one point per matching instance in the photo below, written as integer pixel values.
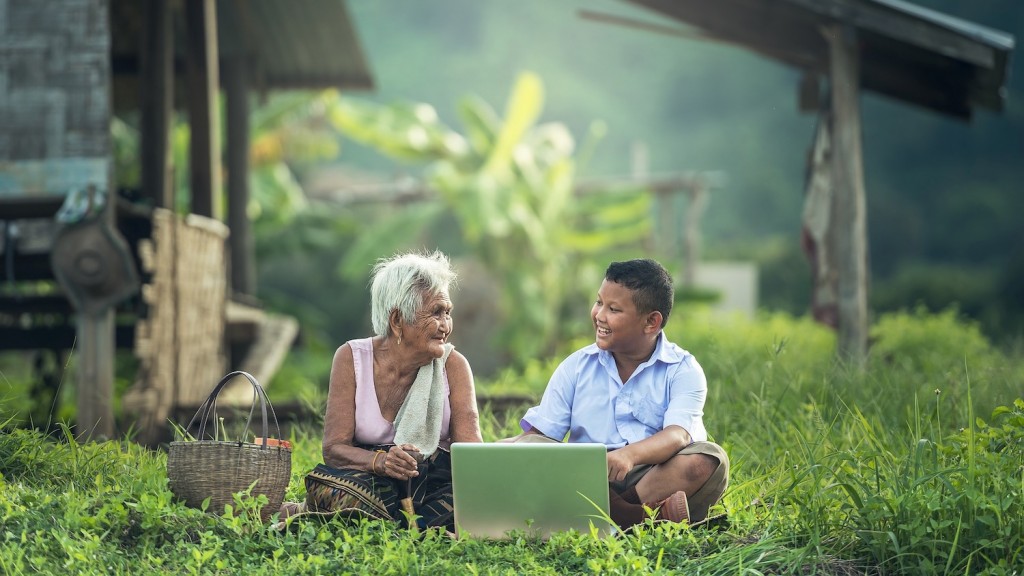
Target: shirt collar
(663, 351)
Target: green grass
(913, 465)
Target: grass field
(912, 464)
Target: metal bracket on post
(93, 264)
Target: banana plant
(509, 181)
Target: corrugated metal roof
(995, 38)
(295, 43)
(287, 44)
(907, 52)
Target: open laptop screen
(533, 487)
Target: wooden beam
(25, 267)
(203, 118)
(156, 88)
(242, 251)
(905, 27)
(57, 337)
(775, 30)
(899, 37)
(939, 83)
(849, 213)
(34, 304)
(19, 207)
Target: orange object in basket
(274, 442)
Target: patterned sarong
(350, 492)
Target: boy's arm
(518, 437)
(554, 412)
(688, 392)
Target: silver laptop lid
(538, 488)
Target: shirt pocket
(649, 413)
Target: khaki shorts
(700, 501)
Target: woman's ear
(395, 322)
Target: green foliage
(15, 386)
(835, 470)
(924, 506)
(529, 380)
(939, 190)
(938, 287)
(509, 183)
(124, 141)
(934, 356)
(930, 343)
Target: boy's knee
(695, 469)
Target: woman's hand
(401, 462)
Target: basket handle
(210, 405)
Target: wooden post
(95, 343)
(849, 207)
(156, 86)
(203, 117)
(236, 88)
(95, 376)
(698, 201)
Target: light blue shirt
(586, 398)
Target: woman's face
(432, 325)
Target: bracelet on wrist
(373, 463)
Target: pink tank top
(371, 427)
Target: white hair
(403, 282)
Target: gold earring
(399, 339)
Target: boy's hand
(619, 464)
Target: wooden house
(88, 269)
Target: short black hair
(650, 282)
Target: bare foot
(291, 509)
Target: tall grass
(913, 465)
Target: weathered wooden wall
(54, 96)
(180, 344)
(55, 109)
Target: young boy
(641, 396)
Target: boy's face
(618, 325)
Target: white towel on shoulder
(419, 419)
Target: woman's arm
(339, 418)
(465, 419)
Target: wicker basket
(206, 468)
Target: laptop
(536, 488)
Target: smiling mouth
(603, 331)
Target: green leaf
(522, 111)
(482, 124)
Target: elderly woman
(397, 401)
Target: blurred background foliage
(450, 169)
(943, 195)
(508, 182)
